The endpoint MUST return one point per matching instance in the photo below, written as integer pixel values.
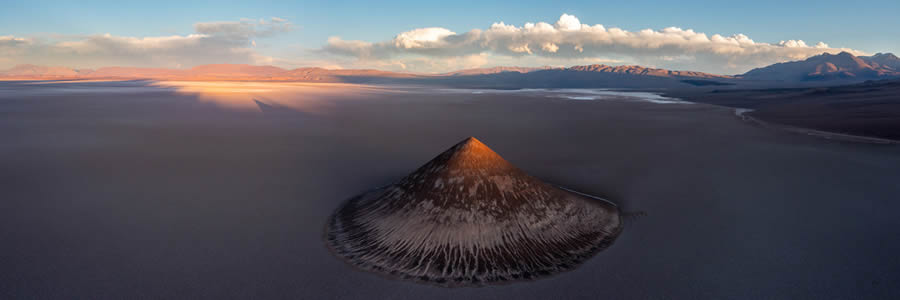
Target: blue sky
(869, 28)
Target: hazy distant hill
(346, 75)
(130, 72)
(828, 67)
(494, 70)
(235, 71)
(217, 71)
(33, 70)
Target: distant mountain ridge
(494, 70)
(33, 70)
(506, 77)
(202, 72)
(639, 70)
(265, 72)
(588, 76)
(827, 67)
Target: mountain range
(825, 68)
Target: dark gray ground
(869, 109)
(141, 192)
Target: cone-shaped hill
(469, 217)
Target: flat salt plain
(222, 190)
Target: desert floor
(196, 190)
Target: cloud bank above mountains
(565, 42)
(568, 39)
(213, 42)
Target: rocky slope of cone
(469, 217)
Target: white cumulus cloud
(568, 39)
(212, 42)
(244, 29)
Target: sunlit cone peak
(469, 217)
